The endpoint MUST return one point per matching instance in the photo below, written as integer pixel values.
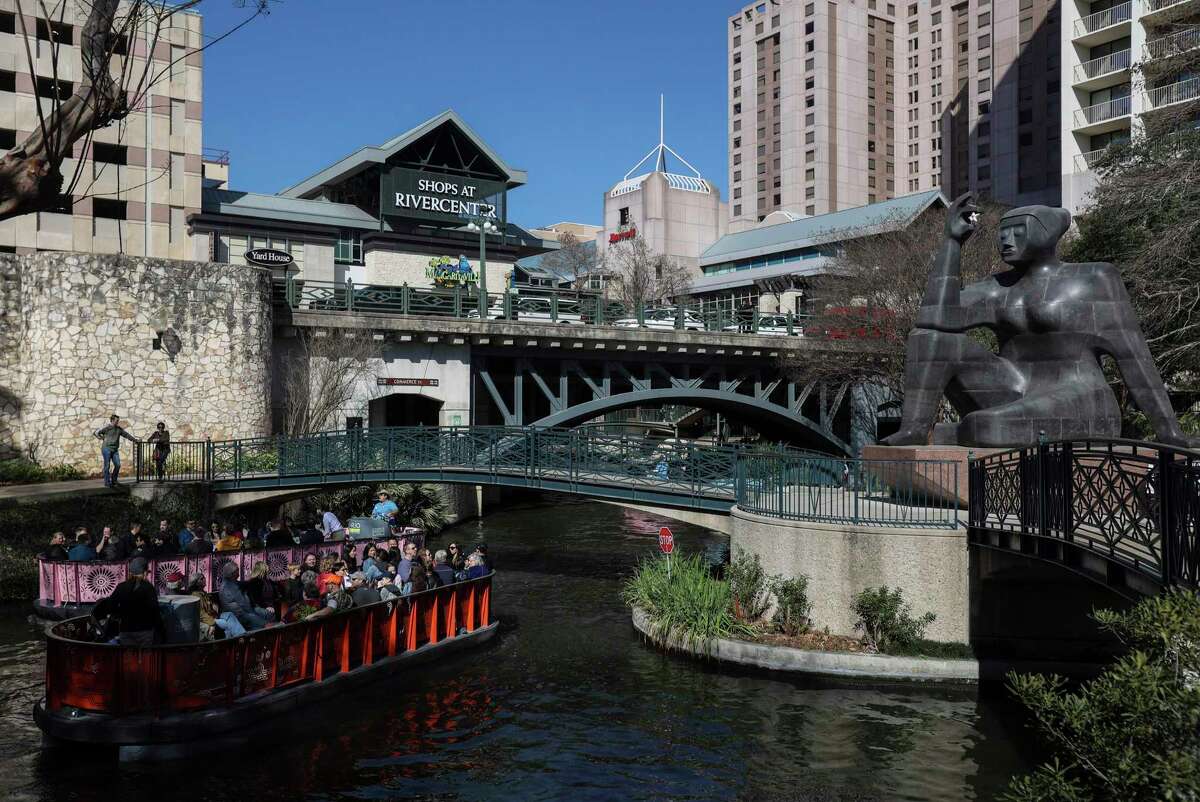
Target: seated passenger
(213, 622)
(475, 566)
(261, 588)
(199, 545)
(361, 591)
(134, 603)
(441, 567)
(336, 597)
(233, 599)
(82, 551)
(231, 539)
(57, 549)
(278, 535)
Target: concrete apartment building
(140, 179)
(1103, 103)
(838, 105)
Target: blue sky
(565, 90)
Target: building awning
(747, 278)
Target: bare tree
(114, 83)
(638, 275)
(318, 375)
(868, 303)
(574, 258)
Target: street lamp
(484, 227)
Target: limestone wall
(931, 566)
(77, 344)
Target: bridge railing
(1135, 504)
(849, 491)
(568, 307)
(176, 678)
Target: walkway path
(48, 491)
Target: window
(777, 199)
(810, 174)
(177, 117)
(57, 32)
(348, 249)
(8, 139)
(809, 102)
(810, 192)
(810, 156)
(985, 42)
(985, 84)
(175, 176)
(48, 87)
(985, 20)
(623, 216)
(1026, 26)
(737, 75)
(810, 138)
(1025, 139)
(737, 41)
(809, 27)
(737, 141)
(737, 210)
(110, 154)
(984, 172)
(737, 108)
(983, 151)
(809, 64)
(808, 10)
(737, 192)
(985, 63)
(737, 175)
(8, 81)
(737, 57)
(985, 107)
(8, 22)
(108, 208)
(775, 21)
(810, 119)
(810, 46)
(1024, 116)
(810, 210)
(936, 19)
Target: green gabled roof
(368, 155)
(277, 207)
(810, 231)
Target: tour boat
(171, 701)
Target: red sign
(666, 541)
(617, 236)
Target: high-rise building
(139, 179)
(1101, 42)
(835, 105)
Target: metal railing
(1153, 6)
(1103, 19)
(1108, 110)
(1173, 44)
(895, 493)
(215, 155)
(1174, 93)
(1086, 161)
(1102, 66)
(1135, 505)
(564, 307)
(181, 678)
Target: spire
(661, 165)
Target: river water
(567, 703)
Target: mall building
(384, 214)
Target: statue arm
(946, 306)
(1122, 338)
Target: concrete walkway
(49, 491)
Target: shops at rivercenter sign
(436, 196)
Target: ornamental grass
(689, 604)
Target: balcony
(1103, 26)
(1105, 71)
(1161, 10)
(1171, 94)
(1174, 44)
(1111, 115)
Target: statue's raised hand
(962, 218)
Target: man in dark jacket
(57, 549)
(134, 602)
(278, 535)
(442, 569)
(110, 444)
(82, 551)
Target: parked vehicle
(664, 319)
(531, 310)
(770, 326)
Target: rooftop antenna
(662, 149)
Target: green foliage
(251, 461)
(749, 586)
(886, 619)
(688, 603)
(1130, 734)
(419, 505)
(792, 606)
(24, 471)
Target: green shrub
(886, 619)
(792, 606)
(689, 603)
(63, 473)
(1131, 733)
(23, 471)
(749, 586)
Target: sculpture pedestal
(892, 466)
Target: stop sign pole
(666, 544)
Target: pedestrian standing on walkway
(162, 449)
(110, 443)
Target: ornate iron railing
(1135, 505)
(178, 678)
(900, 493)
(565, 307)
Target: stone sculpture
(1053, 320)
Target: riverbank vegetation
(23, 471)
(1131, 733)
(692, 603)
(418, 505)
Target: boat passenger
(311, 536)
(442, 569)
(259, 587)
(361, 591)
(191, 531)
(475, 566)
(457, 560)
(385, 507)
(278, 535)
(293, 587)
(213, 622)
(234, 600)
(82, 551)
(336, 596)
(134, 603)
(58, 548)
(309, 563)
(199, 545)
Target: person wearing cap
(174, 583)
(134, 602)
(385, 507)
(336, 597)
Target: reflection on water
(567, 703)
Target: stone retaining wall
(77, 344)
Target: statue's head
(1030, 234)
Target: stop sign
(666, 541)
